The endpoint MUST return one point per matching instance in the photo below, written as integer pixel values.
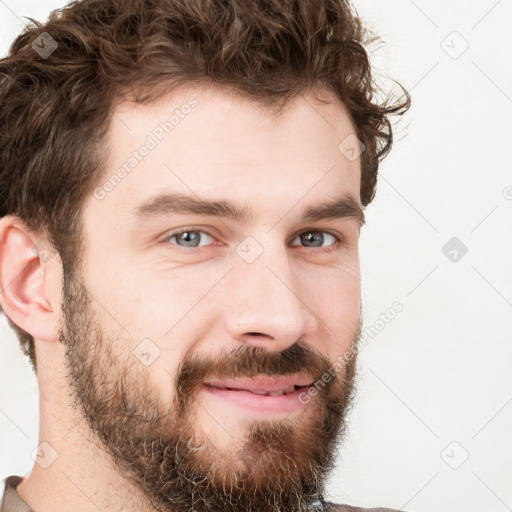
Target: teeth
(276, 393)
(279, 392)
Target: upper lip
(262, 383)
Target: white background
(436, 382)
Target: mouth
(261, 395)
(262, 392)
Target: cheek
(341, 309)
(150, 303)
(147, 334)
(335, 288)
(334, 296)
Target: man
(183, 186)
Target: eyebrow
(163, 205)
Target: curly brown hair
(55, 108)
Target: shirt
(12, 502)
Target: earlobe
(24, 261)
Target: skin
(196, 305)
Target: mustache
(249, 361)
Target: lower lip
(260, 404)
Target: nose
(268, 308)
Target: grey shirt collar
(11, 500)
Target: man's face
(179, 320)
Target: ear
(29, 271)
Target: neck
(72, 470)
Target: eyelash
(339, 240)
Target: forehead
(209, 142)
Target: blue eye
(190, 237)
(318, 238)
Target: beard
(278, 464)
